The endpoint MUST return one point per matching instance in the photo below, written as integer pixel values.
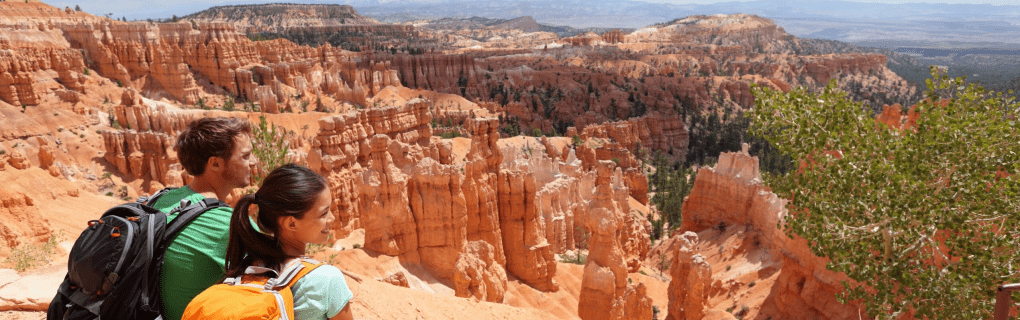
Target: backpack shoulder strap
(151, 200)
(189, 213)
(295, 270)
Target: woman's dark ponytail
(289, 190)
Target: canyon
(490, 172)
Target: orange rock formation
(692, 278)
(731, 196)
(23, 224)
(605, 293)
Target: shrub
(30, 255)
(890, 207)
(269, 146)
(576, 258)
(535, 132)
(228, 102)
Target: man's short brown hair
(208, 137)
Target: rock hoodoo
(692, 279)
(605, 293)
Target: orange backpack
(253, 295)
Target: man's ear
(215, 164)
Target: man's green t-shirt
(194, 260)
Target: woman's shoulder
(324, 272)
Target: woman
(291, 210)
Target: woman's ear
(288, 223)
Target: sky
(166, 8)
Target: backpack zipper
(127, 244)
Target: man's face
(238, 171)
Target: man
(217, 153)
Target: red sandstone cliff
(729, 203)
(181, 61)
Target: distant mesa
(526, 24)
(283, 14)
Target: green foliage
(259, 37)
(313, 248)
(269, 146)
(925, 219)
(450, 134)
(663, 264)
(578, 257)
(576, 141)
(86, 72)
(535, 132)
(356, 246)
(671, 183)
(228, 102)
(575, 258)
(30, 255)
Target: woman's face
(314, 226)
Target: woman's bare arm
(345, 313)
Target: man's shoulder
(171, 199)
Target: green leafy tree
(924, 220)
(270, 147)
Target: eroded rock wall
(27, 49)
(186, 61)
(732, 193)
(23, 224)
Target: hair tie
(253, 220)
